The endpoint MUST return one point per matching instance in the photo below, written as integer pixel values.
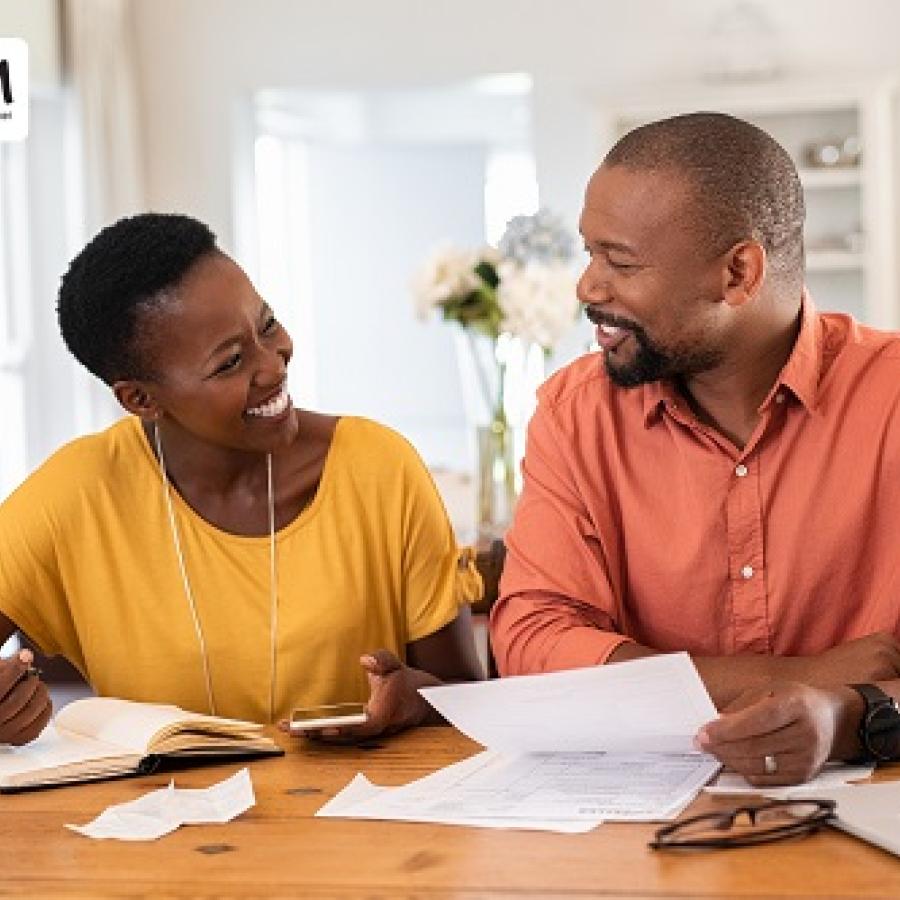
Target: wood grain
(278, 849)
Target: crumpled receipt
(161, 811)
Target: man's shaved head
(744, 183)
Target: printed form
(565, 751)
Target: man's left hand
(797, 727)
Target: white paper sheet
(350, 804)
(549, 788)
(161, 811)
(655, 704)
(566, 751)
(832, 775)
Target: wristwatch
(879, 728)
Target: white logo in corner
(13, 89)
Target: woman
(220, 549)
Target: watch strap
(875, 699)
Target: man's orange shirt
(639, 522)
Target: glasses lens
(709, 827)
(791, 813)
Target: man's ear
(744, 273)
(137, 398)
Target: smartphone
(333, 715)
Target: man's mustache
(598, 317)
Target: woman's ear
(745, 272)
(136, 397)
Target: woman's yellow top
(88, 569)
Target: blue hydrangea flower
(539, 238)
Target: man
(726, 480)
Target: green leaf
(487, 273)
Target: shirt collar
(800, 374)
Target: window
(15, 293)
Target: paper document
(832, 775)
(566, 751)
(654, 705)
(549, 788)
(161, 811)
(352, 803)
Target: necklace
(189, 594)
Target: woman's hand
(394, 701)
(25, 706)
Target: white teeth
(610, 329)
(274, 407)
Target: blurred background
(331, 145)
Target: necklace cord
(273, 587)
(189, 594)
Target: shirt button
(747, 572)
(779, 397)
(740, 471)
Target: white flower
(448, 272)
(537, 300)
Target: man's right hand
(25, 706)
(875, 657)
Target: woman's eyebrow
(264, 311)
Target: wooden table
(278, 850)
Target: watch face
(883, 732)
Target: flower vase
(496, 494)
(497, 489)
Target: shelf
(852, 224)
(834, 260)
(846, 177)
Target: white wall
(198, 57)
(376, 210)
(37, 21)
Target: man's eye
(621, 266)
(271, 324)
(231, 363)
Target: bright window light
(510, 189)
(282, 215)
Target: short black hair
(126, 267)
(744, 182)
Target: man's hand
(798, 726)
(25, 706)
(394, 700)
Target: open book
(102, 737)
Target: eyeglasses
(745, 826)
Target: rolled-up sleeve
(557, 607)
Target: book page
(54, 751)
(138, 727)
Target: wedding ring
(770, 764)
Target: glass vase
(496, 478)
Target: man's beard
(653, 363)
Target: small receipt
(161, 811)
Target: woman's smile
(274, 409)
